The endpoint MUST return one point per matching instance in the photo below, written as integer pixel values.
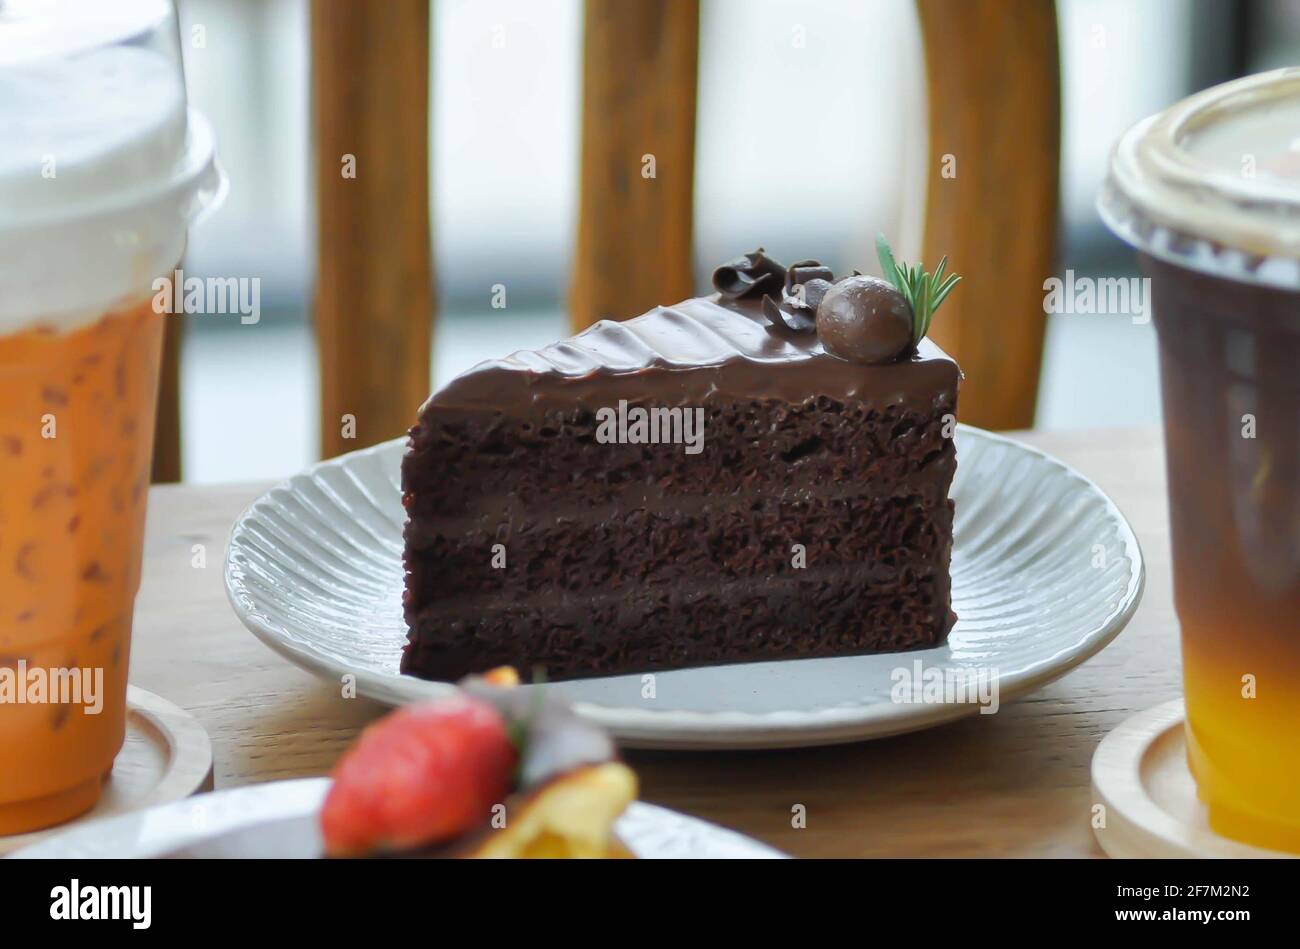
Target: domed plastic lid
(104, 166)
(1213, 183)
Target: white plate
(1046, 572)
(279, 820)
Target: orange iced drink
(1233, 451)
(103, 169)
(76, 437)
(1209, 193)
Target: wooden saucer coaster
(1140, 776)
(166, 757)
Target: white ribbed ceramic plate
(278, 820)
(1046, 572)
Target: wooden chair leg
(374, 290)
(638, 158)
(995, 134)
(167, 427)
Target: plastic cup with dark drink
(1209, 194)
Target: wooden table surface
(1011, 784)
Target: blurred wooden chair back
(993, 75)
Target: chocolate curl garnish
(806, 282)
(798, 319)
(749, 276)
(806, 271)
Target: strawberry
(422, 775)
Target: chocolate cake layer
(821, 441)
(671, 628)
(640, 546)
(532, 540)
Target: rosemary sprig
(923, 291)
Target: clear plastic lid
(1213, 183)
(104, 166)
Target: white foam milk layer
(101, 171)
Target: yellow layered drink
(1209, 192)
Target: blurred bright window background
(768, 170)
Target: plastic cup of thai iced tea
(102, 169)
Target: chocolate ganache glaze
(725, 343)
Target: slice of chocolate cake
(758, 474)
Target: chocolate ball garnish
(866, 320)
